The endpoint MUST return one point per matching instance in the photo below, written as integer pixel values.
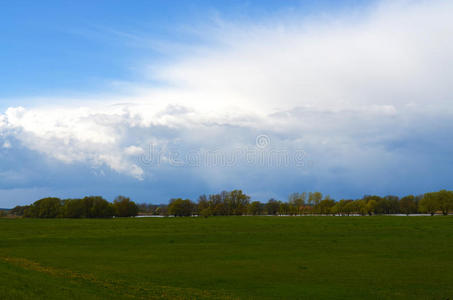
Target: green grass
(228, 258)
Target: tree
(161, 210)
(350, 207)
(146, 208)
(238, 202)
(254, 208)
(73, 208)
(216, 205)
(408, 205)
(100, 208)
(221, 209)
(19, 210)
(272, 206)
(393, 204)
(361, 207)
(445, 199)
(124, 207)
(314, 199)
(382, 206)
(429, 203)
(326, 205)
(88, 207)
(283, 209)
(206, 212)
(226, 206)
(44, 208)
(293, 210)
(340, 207)
(203, 204)
(180, 208)
(371, 206)
(297, 200)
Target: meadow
(379, 257)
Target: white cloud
(80, 135)
(134, 150)
(332, 84)
(392, 56)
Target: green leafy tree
(216, 205)
(408, 205)
(272, 206)
(394, 204)
(361, 207)
(297, 201)
(383, 206)
(283, 209)
(340, 207)
(445, 199)
(101, 208)
(19, 210)
(74, 208)
(371, 206)
(202, 204)
(314, 199)
(429, 203)
(206, 212)
(254, 208)
(45, 208)
(181, 208)
(326, 205)
(350, 207)
(124, 207)
(238, 202)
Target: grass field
(228, 258)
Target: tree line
(314, 203)
(88, 207)
(229, 203)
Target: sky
(163, 99)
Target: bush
(205, 213)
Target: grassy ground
(228, 258)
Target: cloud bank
(367, 96)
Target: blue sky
(75, 46)
(348, 97)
